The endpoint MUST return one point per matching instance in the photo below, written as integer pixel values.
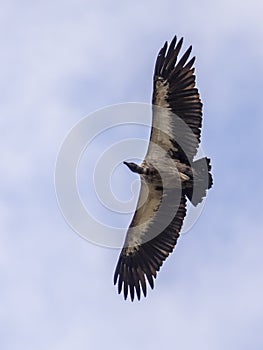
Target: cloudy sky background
(61, 61)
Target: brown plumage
(169, 174)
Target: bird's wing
(177, 108)
(152, 235)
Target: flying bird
(170, 175)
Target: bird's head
(133, 167)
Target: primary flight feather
(169, 174)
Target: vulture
(170, 174)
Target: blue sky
(61, 61)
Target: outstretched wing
(152, 235)
(177, 108)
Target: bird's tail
(201, 181)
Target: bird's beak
(127, 164)
(134, 167)
(131, 166)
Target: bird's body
(169, 173)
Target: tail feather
(202, 180)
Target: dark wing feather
(140, 262)
(175, 94)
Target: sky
(60, 62)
